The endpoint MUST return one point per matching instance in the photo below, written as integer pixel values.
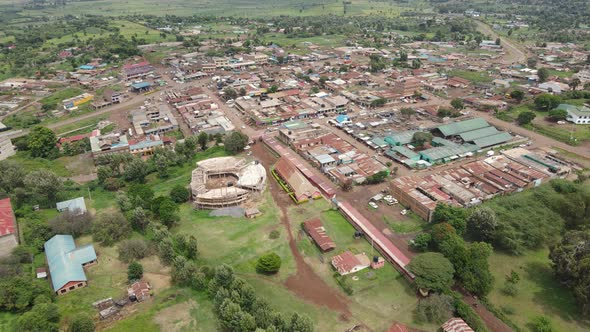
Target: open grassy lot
(80, 127)
(473, 76)
(58, 166)
(322, 41)
(539, 293)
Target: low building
(108, 144)
(66, 263)
(456, 324)
(317, 232)
(76, 206)
(139, 291)
(6, 148)
(8, 228)
(576, 114)
(134, 71)
(299, 188)
(347, 262)
(41, 273)
(73, 103)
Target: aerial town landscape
(243, 165)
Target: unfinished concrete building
(226, 181)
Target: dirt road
(305, 283)
(513, 51)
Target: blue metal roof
(141, 85)
(342, 118)
(86, 67)
(65, 261)
(72, 205)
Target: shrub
(134, 271)
(508, 309)
(435, 309)
(132, 250)
(179, 194)
(110, 227)
(81, 323)
(269, 263)
(274, 234)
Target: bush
(179, 194)
(269, 263)
(541, 324)
(274, 234)
(134, 271)
(133, 250)
(343, 282)
(71, 223)
(110, 227)
(435, 309)
(81, 323)
(470, 316)
(421, 242)
(508, 309)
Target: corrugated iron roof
(463, 126)
(65, 261)
(7, 219)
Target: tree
(140, 195)
(420, 138)
(454, 216)
(203, 138)
(571, 263)
(407, 112)
(166, 210)
(273, 88)
(135, 170)
(243, 91)
(72, 223)
(269, 263)
(378, 102)
(457, 103)
(230, 93)
(421, 242)
(43, 317)
(531, 62)
(416, 64)
(377, 177)
(525, 117)
(12, 176)
(403, 56)
(482, 224)
(133, 250)
(436, 309)
(498, 41)
(557, 114)
(574, 83)
(433, 272)
(110, 227)
(301, 323)
(179, 194)
(543, 74)
(546, 102)
(81, 323)
(541, 324)
(138, 218)
(134, 271)
(235, 142)
(45, 184)
(518, 95)
(18, 293)
(41, 141)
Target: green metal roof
(404, 152)
(437, 141)
(463, 126)
(579, 111)
(380, 142)
(65, 261)
(295, 124)
(442, 152)
(401, 138)
(479, 133)
(484, 142)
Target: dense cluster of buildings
(472, 183)
(153, 119)
(199, 112)
(335, 157)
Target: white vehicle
(243, 127)
(404, 212)
(373, 205)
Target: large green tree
(81, 323)
(41, 141)
(482, 224)
(269, 263)
(110, 227)
(433, 272)
(235, 142)
(546, 102)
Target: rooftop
(7, 219)
(65, 260)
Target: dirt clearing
(176, 317)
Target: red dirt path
(305, 283)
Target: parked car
(404, 212)
(373, 205)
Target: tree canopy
(433, 272)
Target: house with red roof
(347, 262)
(137, 70)
(316, 230)
(8, 228)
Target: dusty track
(305, 283)
(513, 52)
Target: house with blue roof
(76, 206)
(66, 263)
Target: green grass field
(539, 293)
(473, 76)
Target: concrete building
(6, 147)
(347, 262)
(576, 114)
(66, 263)
(108, 144)
(8, 228)
(73, 103)
(138, 70)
